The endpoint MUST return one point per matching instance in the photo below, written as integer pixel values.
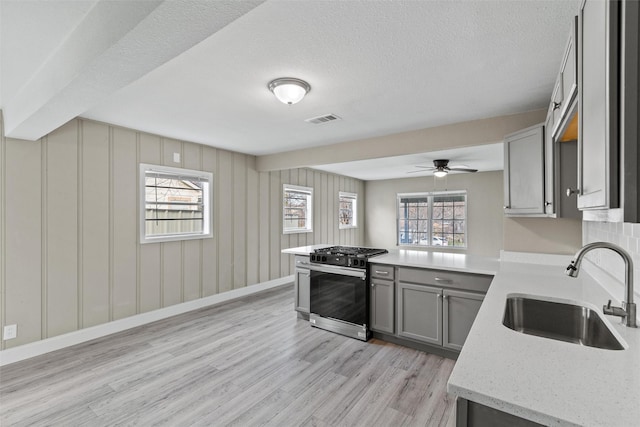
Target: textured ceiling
(485, 158)
(382, 66)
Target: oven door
(339, 293)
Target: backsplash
(626, 235)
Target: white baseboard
(38, 348)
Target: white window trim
(429, 194)
(207, 226)
(309, 216)
(354, 196)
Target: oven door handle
(339, 270)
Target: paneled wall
(69, 256)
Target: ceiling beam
(115, 44)
(458, 135)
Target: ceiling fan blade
(425, 167)
(420, 171)
(463, 169)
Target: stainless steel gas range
(339, 296)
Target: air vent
(322, 119)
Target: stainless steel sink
(559, 321)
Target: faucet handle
(609, 305)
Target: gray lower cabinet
(302, 285)
(459, 311)
(472, 414)
(420, 313)
(438, 307)
(382, 305)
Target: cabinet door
(568, 72)
(598, 105)
(382, 305)
(524, 172)
(302, 290)
(549, 165)
(460, 310)
(419, 310)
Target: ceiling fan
(441, 168)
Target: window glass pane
(296, 209)
(176, 203)
(347, 209)
(432, 220)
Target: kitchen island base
(472, 414)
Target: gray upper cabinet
(459, 311)
(302, 285)
(420, 313)
(561, 174)
(524, 180)
(598, 69)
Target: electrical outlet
(10, 332)
(176, 157)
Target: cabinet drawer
(446, 279)
(383, 271)
(302, 261)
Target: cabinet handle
(445, 297)
(382, 273)
(506, 207)
(571, 191)
(556, 105)
(441, 280)
(439, 296)
(373, 284)
(547, 203)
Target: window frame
(308, 213)
(207, 203)
(354, 209)
(430, 197)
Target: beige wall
(457, 135)
(69, 256)
(484, 209)
(489, 231)
(543, 235)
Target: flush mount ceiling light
(289, 90)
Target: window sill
(437, 248)
(347, 227)
(174, 238)
(297, 231)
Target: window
(433, 219)
(175, 204)
(348, 210)
(296, 209)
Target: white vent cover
(323, 119)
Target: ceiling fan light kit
(441, 168)
(289, 90)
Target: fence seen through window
(175, 205)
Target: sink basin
(559, 321)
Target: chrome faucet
(628, 309)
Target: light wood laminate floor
(248, 362)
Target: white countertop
(547, 381)
(440, 260)
(304, 250)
